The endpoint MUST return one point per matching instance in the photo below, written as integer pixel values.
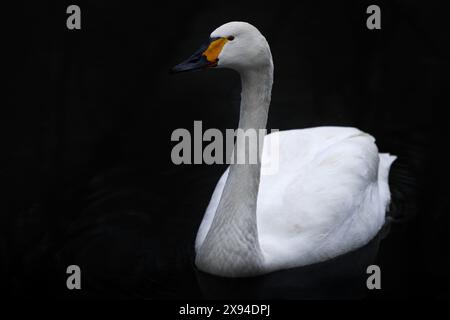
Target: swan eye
(230, 38)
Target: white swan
(328, 197)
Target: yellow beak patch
(214, 49)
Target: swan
(328, 197)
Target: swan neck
(255, 98)
(231, 247)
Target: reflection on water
(343, 277)
(134, 241)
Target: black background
(87, 117)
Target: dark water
(86, 172)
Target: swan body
(328, 196)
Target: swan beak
(205, 57)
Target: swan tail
(386, 161)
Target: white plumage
(328, 196)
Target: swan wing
(210, 211)
(323, 192)
(325, 199)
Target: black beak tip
(174, 69)
(182, 67)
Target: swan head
(234, 45)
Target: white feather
(328, 197)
